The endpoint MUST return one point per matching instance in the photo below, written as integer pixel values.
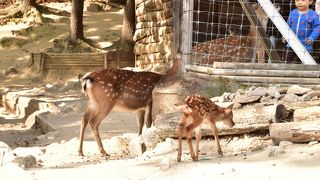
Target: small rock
(273, 92)
(25, 162)
(237, 105)
(283, 144)
(167, 162)
(136, 147)
(274, 150)
(150, 137)
(93, 7)
(25, 151)
(313, 142)
(49, 86)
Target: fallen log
(247, 119)
(295, 131)
(307, 114)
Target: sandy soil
(245, 157)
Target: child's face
(303, 5)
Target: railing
(116, 59)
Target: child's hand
(284, 40)
(308, 41)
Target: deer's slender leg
(216, 137)
(180, 134)
(149, 121)
(198, 139)
(95, 122)
(84, 122)
(140, 120)
(189, 129)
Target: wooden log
(142, 25)
(264, 80)
(74, 54)
(156, 38)
(307, 114)
(247, 119)
(268, 66)
(155, 16)
(295, 131)
(141, 10)
(255, 72)
(141, 33)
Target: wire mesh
(223, 36)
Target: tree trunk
(27, 4)
(128, 25)
(295, 131)
(76, 20)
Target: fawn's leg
(189, 130)
(215, 134)
(198, 139)
(180, 134)
(84, 122)
(140, 120)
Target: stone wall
(154, 33)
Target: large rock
(243, 98)
(274, 92)
(298, 90)
(291, 97)
(259, 91)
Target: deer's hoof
(195, 159)
(80, 153)
(179, 159)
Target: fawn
(199, 109)
(117, 89)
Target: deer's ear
(230, 106)
(184, 108)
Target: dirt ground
(245, 157)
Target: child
(304, 22)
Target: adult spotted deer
(115, 89)
(234, 48)
(197, 110)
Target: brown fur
(199, 109)
(122, 90)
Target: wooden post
(295, 131)
(262, 35)
(176, 15)
(42, 59)
(186, 32)
(105, 58)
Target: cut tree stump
(295, 131)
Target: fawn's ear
(230, 106)
(183, 107)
